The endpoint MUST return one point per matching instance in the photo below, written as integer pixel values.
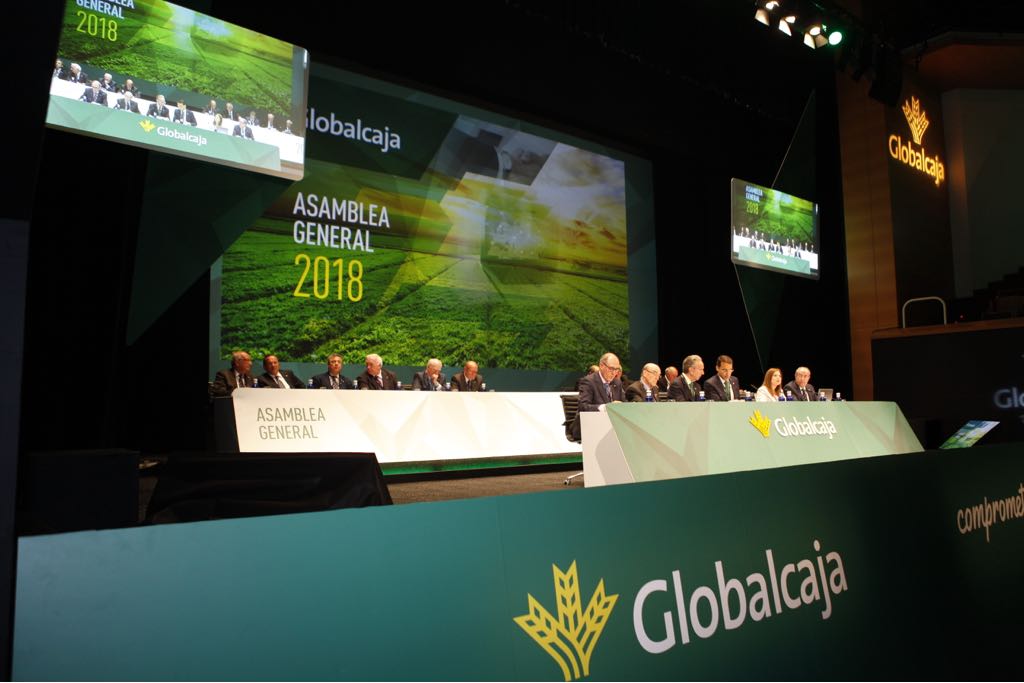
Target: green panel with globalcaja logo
(887, 567)
(669, 440)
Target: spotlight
(785, 23)
(814, 36)
(764, 9)
(835, 37)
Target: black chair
(570, 407)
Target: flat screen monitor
(969, 434)
(152, 74)
(773, 230)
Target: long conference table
(402, 426)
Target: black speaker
(74, 490)
(888, 84)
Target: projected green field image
(777, 214)
(513, 274)
(163, 43)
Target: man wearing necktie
(236, 376)
(685, 387)
(332, 379)
(159, 108)
(722, 386)
(276, 378)
(801, 386)
(599, 388)
(376, 377)
(638, 391)
(431, 378)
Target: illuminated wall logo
(916, 156)
(916, 119)
(570, 639)
(761, 423)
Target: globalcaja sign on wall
(902, 566)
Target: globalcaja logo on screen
(165, 132)
(571, 637)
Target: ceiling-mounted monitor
(152, 74)
(774, 230)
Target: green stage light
(835, 37)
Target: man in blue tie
(599, 388)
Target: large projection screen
(429, 228)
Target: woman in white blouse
(771, 389)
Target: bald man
(469, 379)
(647, 385)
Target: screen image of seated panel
(773, 230)
(152, 74)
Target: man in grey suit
(599, 388)
(236, 376)
(722, 386)
(801, 388)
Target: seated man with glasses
(647, 385)
(599, 388)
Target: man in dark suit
(430, 378)
(599, 388)
(211, 108)
(469, 379)
(671, 372)
(722, 386)
(108, 83)
(276, 378)
(184, 116)
(127, 103)
(270, 122)
(129, 87)
(75, 74)
(159, 108)
(58, 70)
(332, 379)
(686, 387)
(236, 376)
(376, 377)
(95, 94)
(242, 130)
(229, 112)
(647, 385)
(800, 387)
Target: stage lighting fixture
(835, 37)
(785, 23)
(814, 36)
(763, 13)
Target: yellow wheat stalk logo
(147, 125)
(916, 119)
(570, 640)
(761, 423)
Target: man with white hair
(646, 386)
(95, 94)
(376, 377)
(599, 388)
(431, 378)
